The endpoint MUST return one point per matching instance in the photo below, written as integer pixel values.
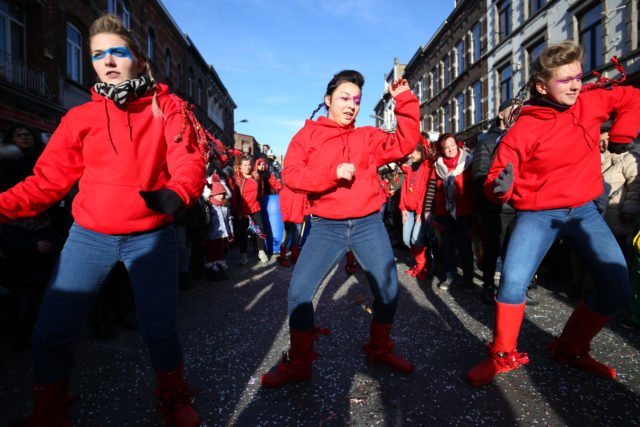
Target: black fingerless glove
(164, 201)
(618, 148)
(504, 181)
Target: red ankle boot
(380, 349)
(421, 263)
(572, 346)
(295, 365)
(50, 406)
(351, 266)
(502, 355)
(282, 258)
(412, 271)
(295, 253)
(176, 400)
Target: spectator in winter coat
(135, 154)
(496, 218)
(548, 167)
(415, 220)
(620, 172)
(335, 164)
(455, 206)
(220, 229)
(246, 210)
(270, 184)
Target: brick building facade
(45, 67)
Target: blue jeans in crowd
(85, 262)
(413, 232)
(457, 233)
(328, 242)
(291, 234)
(590, 237)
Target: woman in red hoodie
(415, 222)
(548, 167)
(454, 207)
(247, 207)
(336, 164)
(137, 161)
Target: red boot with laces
(380, 349)
(176, 399)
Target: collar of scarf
(449, 178)
(128, 90)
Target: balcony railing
(16, 73)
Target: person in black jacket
(497, 219)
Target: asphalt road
(233, 331)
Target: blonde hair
(112, 24)
(550, 58)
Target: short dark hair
(344, 76)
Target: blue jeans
(291, 232)
(85, 262)
(590, 237)
(413, 232)
(456, 233)
(328, 242)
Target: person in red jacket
(415, 222)
(454, 207)
(293, 208)
(137, 161)
(335, 164)
(246, 201)
(547, 166)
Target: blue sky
(275, 57)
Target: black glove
(164, 201)
(504, 181)
(618, 148)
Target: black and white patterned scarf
(128, 90)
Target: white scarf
(449, 178)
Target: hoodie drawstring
(106, 110)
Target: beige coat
(621, 172)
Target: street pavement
(235, 330)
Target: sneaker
(443, 286)
(243, 259)
(262, 256)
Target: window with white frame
(590, 24)
(447, 118)
(533, 52)
(504, 18)
(477, 102)
(460, 112)
(435, 80)
(535, 6)
(446, 70)
(423, 89)
(11, 33)
(151, 39)
(74, 53)
(477, 47)
(460, 56)
(506, 85)
(121, 9)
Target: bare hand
(405, 214)
(346, 171)
(427, 217)
(399, 86)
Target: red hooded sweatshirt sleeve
(114, 154)
(313, 156)
(556, 154)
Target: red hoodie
(320, 146)
(293, 206)
(414, 187)
(556, 155)
(114, 153)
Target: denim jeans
(414, 233)
(591, 239)
(291, 231)
(456, 233)
(328, 242)
(85, 262)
